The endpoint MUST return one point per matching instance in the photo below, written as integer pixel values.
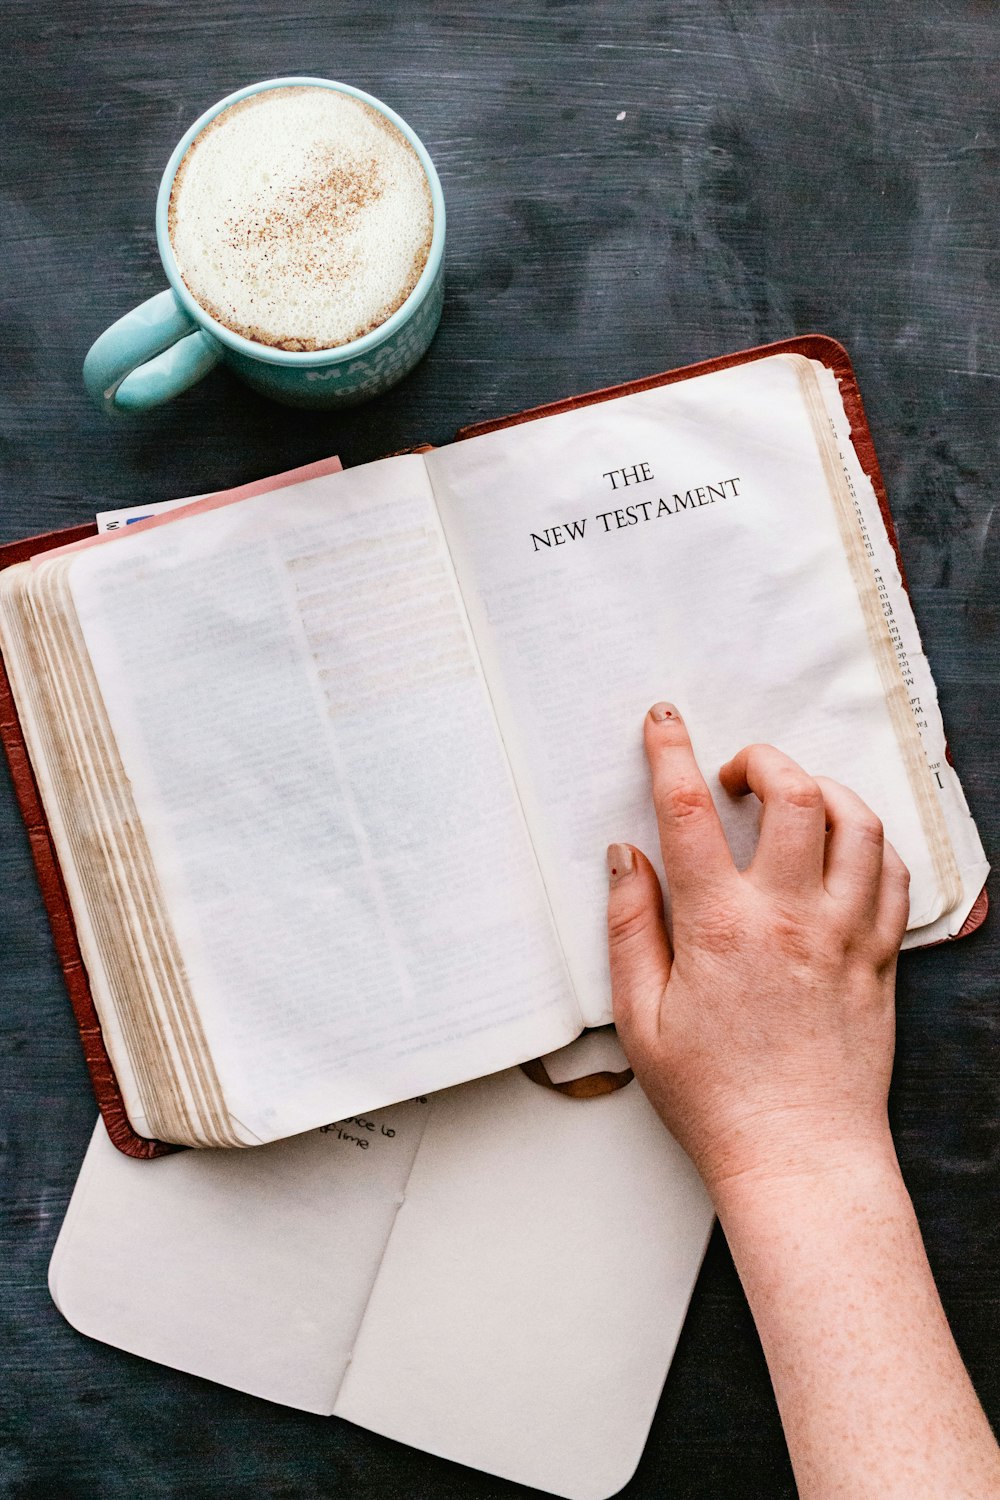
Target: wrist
(803, 1166)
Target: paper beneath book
(497, 1274)
(330, 772)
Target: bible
(329, 773)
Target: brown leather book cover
(106, 1089)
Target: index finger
(696, 857)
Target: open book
(495, 1274)
(330, 772)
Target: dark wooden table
(629, 188)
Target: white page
(250, 1268)
(737, 604)
(534, 1286)
(128, 515)
(969, 853)
(531, 1305)
(311, 749)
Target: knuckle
(792, 938)
(796, 789)
(868, 827)
(683, 802)
(626, 923)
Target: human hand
(763, 1035)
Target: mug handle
(149, 356)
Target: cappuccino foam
(300, 217)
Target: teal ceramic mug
(170, 342)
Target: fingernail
(621, 862)
(661, 711)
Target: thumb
(638, 947)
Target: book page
(679, 543)
(299, 709)
(251, 1268)
(916, 677)
(448, 1272)
(534, 1285)
(131, 963)
(123, 517)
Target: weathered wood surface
(629, 188)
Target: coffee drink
(300, 217)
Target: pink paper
(207, 502)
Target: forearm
(874, 1398)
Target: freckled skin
(763, 1035)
